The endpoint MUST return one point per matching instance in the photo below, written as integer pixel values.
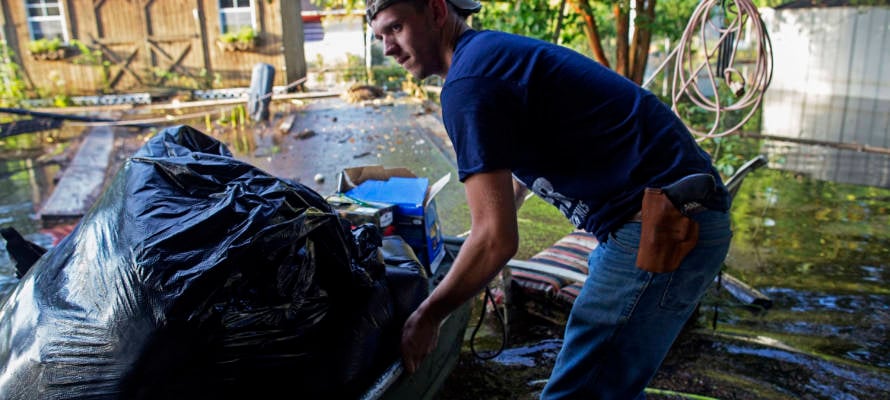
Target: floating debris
(305, 133)
(345, 137)
(287, 124)
(358, 93)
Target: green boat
(425, 383)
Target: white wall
(831, 83)
(831, 74)
(342, 35)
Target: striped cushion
(569, 254)
(57, 233)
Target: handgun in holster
(668, 233)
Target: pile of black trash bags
(196, 275)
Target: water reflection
(820, 251)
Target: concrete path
(83, 179)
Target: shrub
(40, 46)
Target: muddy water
(28, 165)
(820, 251)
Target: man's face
(411, 38)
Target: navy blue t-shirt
(579, 135)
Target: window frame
(44, 18)
(224, 10)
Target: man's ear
(440, 11)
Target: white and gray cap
(464, 7)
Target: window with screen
(235, 14)
(45, 19)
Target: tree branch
(622, 31)
(593, 35)
(639, 54)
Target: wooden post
(292, 40)
(148, 57)
(201, 22)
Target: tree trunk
(593, 35)
(622, 28)
(559, 17)
(639, 55)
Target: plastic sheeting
(197, 275)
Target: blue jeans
(625, 319)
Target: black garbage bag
(409, 286)
(406, 275)
(196, 275)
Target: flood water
(819, 250)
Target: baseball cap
(464, 7)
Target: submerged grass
(540, 225)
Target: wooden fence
(139, 44)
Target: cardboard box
(416, 218)
(358, 212)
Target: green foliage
(671, 18)
(347, 5)
(209, 81)
(247, 34)
(318, 63)
(730, 152)
(12, 86)
(62, 100)
(354, 69)
(389, 76)
(377, 56)
(40, 46)
(87, 55)
(534, 18)
(95, 58)
(229, 37)
(413, 87)
(244, 35)
(538, 19)
(540, 225)
(57, 91)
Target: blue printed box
(416, 218)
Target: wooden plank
(83, 179)
(287, 124)
(221, 102)
(28, 125)
(743, 292)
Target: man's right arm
(493, 239)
